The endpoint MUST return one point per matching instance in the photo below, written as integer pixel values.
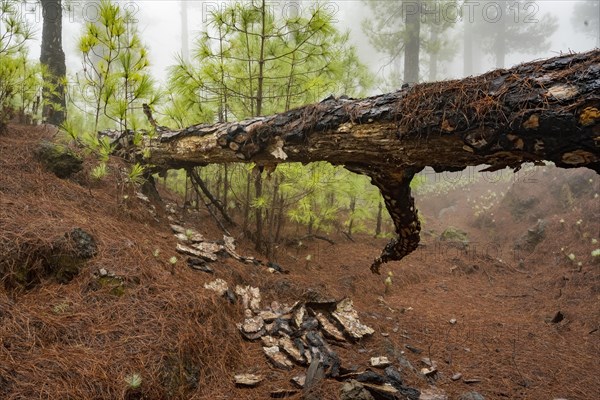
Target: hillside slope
(129, 311)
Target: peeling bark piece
(253, 325)
(196, 237)
(281, 327)
(286, 344)
(299, 380)
(268, 315)
(249, 380)
(269, 341)
(381, 390)
(250, 297)
(380, 362)
(178, 229)
(218, 285)
(329, 329)
(347, 316)
(429, 371)
(208, 247)
(181, 237)
(195, 252)
(277, 358)
(298, 316)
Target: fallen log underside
(546, 110)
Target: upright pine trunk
(412, 45)
(53, 57)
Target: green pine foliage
(253, 60)
(115, 80)
(21, 80)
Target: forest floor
(483, 310)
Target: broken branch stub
(547, 110)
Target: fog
(160, 22)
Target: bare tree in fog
(586, 19)
(401, 29)
(505, 27)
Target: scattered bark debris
(297, 335)
(248, 380)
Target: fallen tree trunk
(540, 111)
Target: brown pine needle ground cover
(83, 339)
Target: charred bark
(547, 110)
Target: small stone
(452, 321)
(250, 380)
(102, 272)
(456, 376)
(471, 380)
(380, 362)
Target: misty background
(163, 26)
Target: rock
(83, 243)
(456, 376)
(58, 159)
(277, 358)
(218, 285)
(102, 272)
(471, 396)
(433, 394)
(69, 253)
(380, 362)
(250, 380)
(532, 237)
(452, 321)
(471, 381)
(347, 316)
(455, 236)
(354, 390)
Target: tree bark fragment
(547, 110)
